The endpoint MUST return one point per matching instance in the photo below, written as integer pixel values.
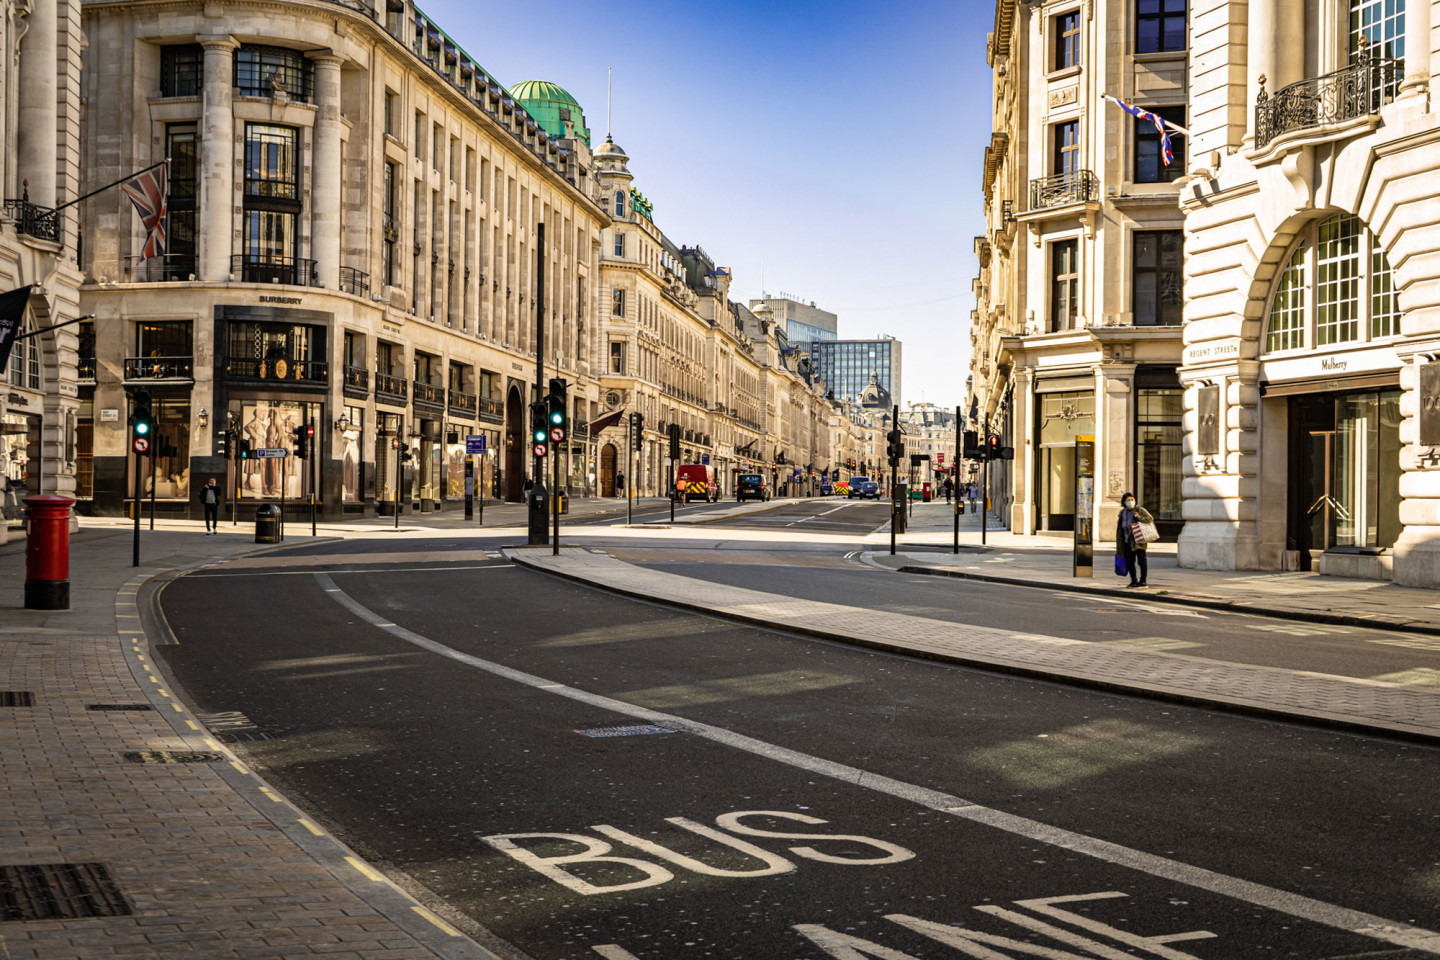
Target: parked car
(750, 486)
(862, 487)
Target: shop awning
(609, 420)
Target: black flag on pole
(12, 318)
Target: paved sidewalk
(207, 860)
(1344, 702)
(1046, 562)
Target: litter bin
(267, 523)
(47, 553)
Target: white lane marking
(612, 951)
(375, 569)
(1159, 609)
(1281, 901)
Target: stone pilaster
(1417, 49)
(215, 218)
(39, 102)
(1022, 417)
(325, 171)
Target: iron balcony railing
(42, 223)
(167, 269)
(428, 394)
(357, 380)
(85, 369)
(157, 368)
(391, 387)
(256, 268)
(1354, 91)
(278, 368)
(1007, 211)
(355, 281)
(463, 404)
(1077, 186)
(491, 409)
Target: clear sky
(838, 142)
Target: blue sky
(839, 142)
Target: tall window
(617, 303)
(391, 226)
(1150, 166)
(272, 198)
(1067, 40)
(392, 113)
(182, 70)
(265, 71)
(1064, 284)
(1336, 288)
(1159, 262)
(1160, 26)
(1067, 147)
(1381, 24)
(619, 244)
(619, 203)
(617, 356)
(180, 144)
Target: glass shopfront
(1061, 416)
(1344, 473)
(1159, 427)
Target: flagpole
(117, 183)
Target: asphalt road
(1220, 836)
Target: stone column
(1417, 49)
(217, 161)
(325, 171)
(39, 102)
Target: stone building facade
(1076, 332)
(355, 215)
(41, 437)
(1312, 288)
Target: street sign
(474, 444)
(142, 444)
(275, 453)
(540, 449)
(557, 434)
(705, 459)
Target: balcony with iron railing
(309, 372)
(85, 369)
(157, 368)
(388, 388)
(357, 381)
(1349, 93)
(491, 409)
(428, 394)
(31, 220)
(258, 268)
(355, 281)
(1064, 189)
(170, 268)
(463, 404)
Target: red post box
(925, 493)
(47, 553)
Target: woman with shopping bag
(1134, 529)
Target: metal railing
(388, 386)
(463, 404)
(1077, 186)
(85, 368)
(167, 269)
(357, 379)
(294, 271)
(491, 409)
(281, 368)
(428, 394)
(158, 368)
(42, 223)
(1354, 91)
(355, 281)
(1007, 211)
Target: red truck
(696, 481)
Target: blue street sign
(474, 444)
(278, 453)
(705, 459)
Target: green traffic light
(556, 417)
(142, 428)
(540, 436)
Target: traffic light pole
(135, 547)
(538, 527)
(314, 471)
(153, 458)
(955, 485)
(629, 466)
(555, 505)
(984, 493)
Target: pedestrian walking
(210, 496)
(1134, 529)
(948, 486)
(971, 493)
(619, 484)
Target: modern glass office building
(847, 365)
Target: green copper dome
(544, 101)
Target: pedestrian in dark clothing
(948, 486)
(210, 497)
(619, 484)
(1132, 547)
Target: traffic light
(164, 448)
(405, 455)
(992, 446)
(675, 441)
(971, 447)
(225, 439)
(244, 448)
(301, 437)
(539, 428)
(142, 423)
(637, 429)
(555, 404)
(895, 448)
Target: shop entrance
(607, 470)
(1344, 474)
(1060, 417)
(515, 447)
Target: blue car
(862, 487)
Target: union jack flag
(147, 192)
(1166, 153)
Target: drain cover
(118, 706)
(172, 756)
(631, 730)
(59, 891)
(16, 698)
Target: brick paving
(1350, 703)
(209, 865)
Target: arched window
(619, 203)
(1336, 288)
